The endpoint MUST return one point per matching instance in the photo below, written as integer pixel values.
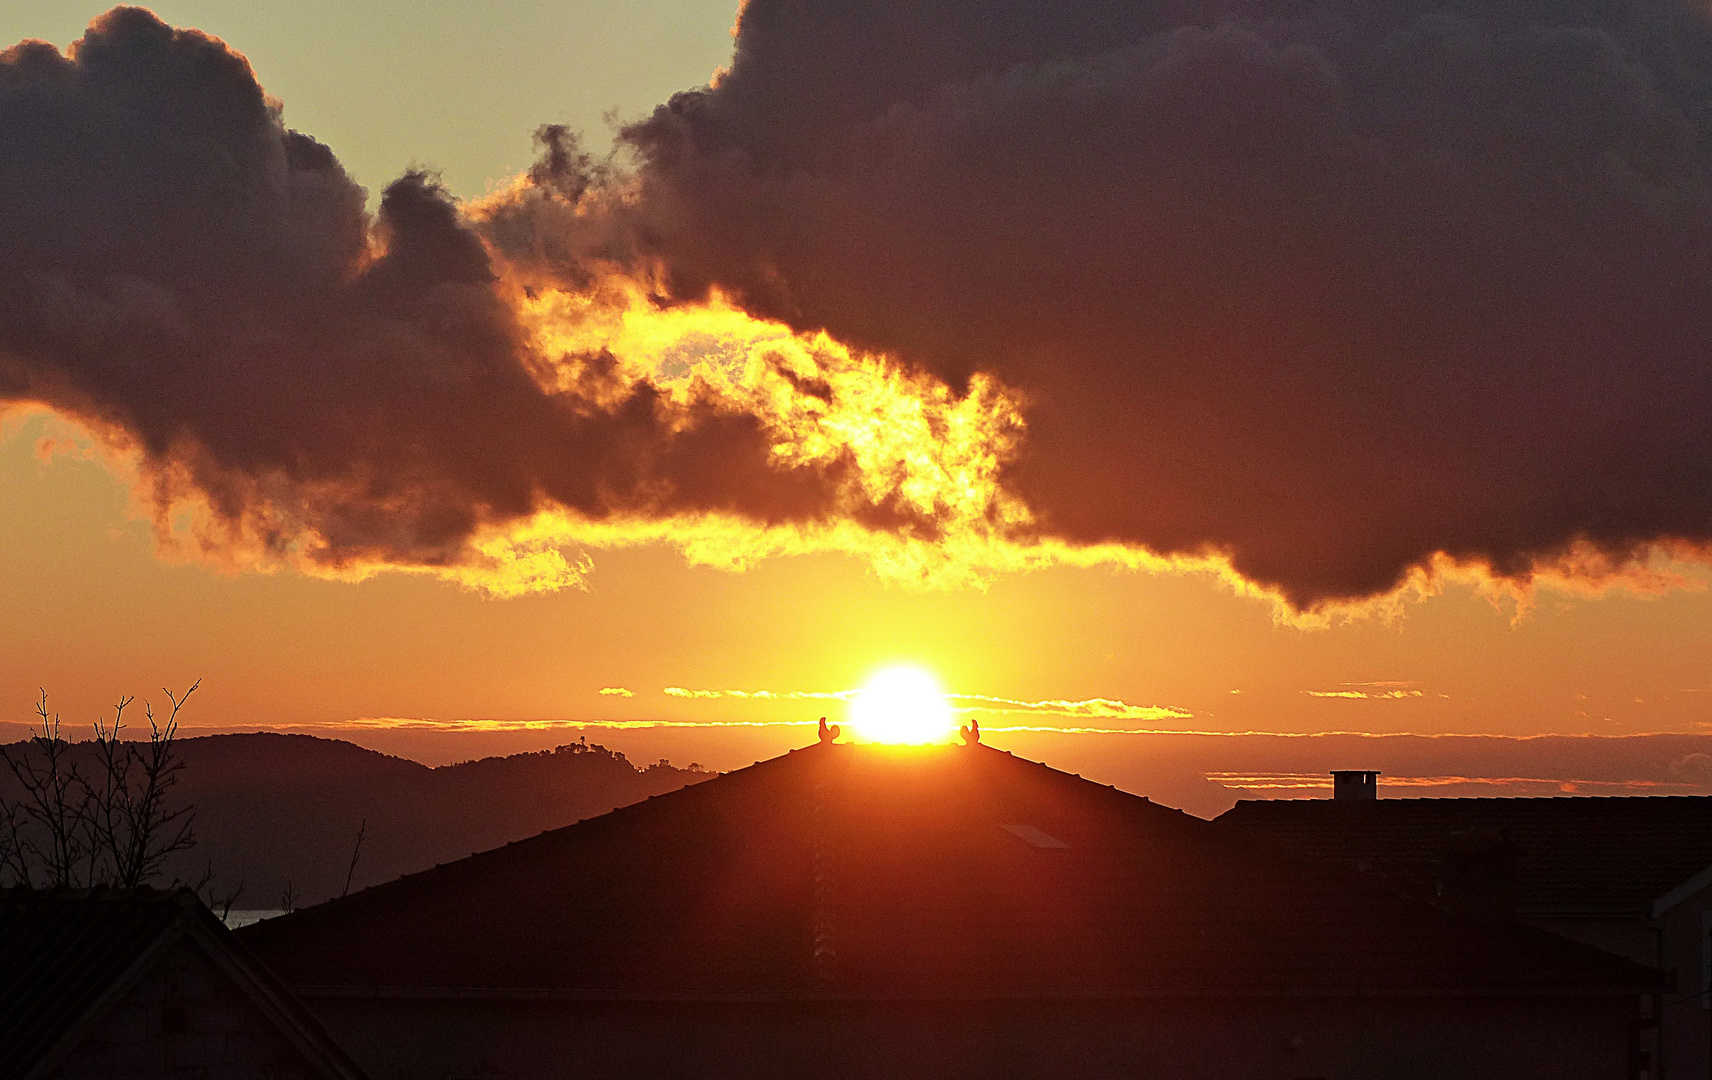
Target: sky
(1016, 354)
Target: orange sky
(99, 615)
(95, 612)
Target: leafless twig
(221, 903)
(356, 850)
(47, 827)
(113, 825)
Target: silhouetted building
(111, 984)
(1632, 876)
(865, 911)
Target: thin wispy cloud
(1071, 729)
(1363, 695)
(424, 723)
(1099, 708)
(763, 695)
(1377, 690)
(615, 691)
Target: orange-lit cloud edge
(913, 441)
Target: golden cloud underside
(923, 499)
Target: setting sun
(901, 705)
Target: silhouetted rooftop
(868, 870)
(66, 955)
(1572, 855)
(60, 952)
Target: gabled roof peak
(884, 870)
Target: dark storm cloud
(1328, 286)
(180, 270)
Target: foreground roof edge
(190, 921)
(91, 1011)
(267, 993)
(1683, 891)
(1646, 981)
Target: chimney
(1355, 785)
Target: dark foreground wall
(1563, 1038)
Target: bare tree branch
(48, 826)
(356, 850)
(155, 832)
(12, 859)
(106, 813)
(223, 902)
(114, 826)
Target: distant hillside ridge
(276, 811)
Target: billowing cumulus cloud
(1328, 289)
(1334, 295)
(299, 384)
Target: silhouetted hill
(273, 809)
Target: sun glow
(901, 705)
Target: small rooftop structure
(1355, 785)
